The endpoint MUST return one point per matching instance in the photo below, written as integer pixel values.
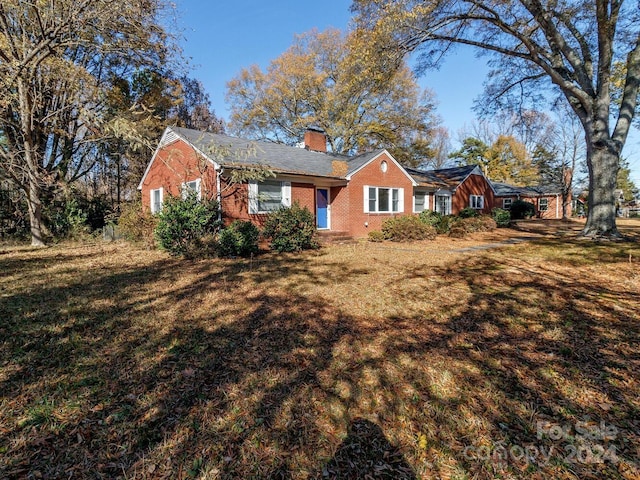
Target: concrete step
(333, 236)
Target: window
(443, 204)
(191, 186)
(476, 201)
(420, 201)
(383, 200)
(156, 200)
(268, 196)
(506, 203)
(543, 204)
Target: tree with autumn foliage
(338, 83)
(505, 160)
(538, 49)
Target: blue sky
(222, 37)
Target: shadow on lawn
(230, 376)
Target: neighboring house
(546, 199)
(451, 190)
(350, 195)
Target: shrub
(487, 224)
(468, 225)
(376, 236)
(291, 229)
(137, 224)
(183, 222)
(468, 213)
(407, 227)
(521, 209)
(430, 217)
(240, 239)
(445, 223)
(501, 216)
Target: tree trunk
(35, 214)
(33, 166)
(603, 166)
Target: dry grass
(397, 361)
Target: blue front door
(322, 212)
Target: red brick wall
(175, 164)
(340, 209)
(235, 202)
(554, 210)
(473, 185)
(373, 176)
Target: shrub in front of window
(137, 224)
(468, 213)
(430, 217)
(240, 239)
(291, 229)
(501, 216)
(376, 236)
(183, 222)
(407, 228)
(446, 222)
(521, 209)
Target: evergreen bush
(183, 222)
(291, 229)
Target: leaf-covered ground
(394, 361)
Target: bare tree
(55, 60)
(571, 45)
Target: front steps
(326, 237)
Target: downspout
(219, 171)
(557, 205)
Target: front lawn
(396, 360)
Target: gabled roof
(227, 151)
(450, 178)
(456, 175)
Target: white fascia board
(413, 182)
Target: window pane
(372, 199)
(394, 200)
(269, 196)
(419, 202)
(383, 199)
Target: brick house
(450, 190)
(547, 199)
(350, 195)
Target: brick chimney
(315, 139)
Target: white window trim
(185, 188)
(426, 196)
(400, 199)
(504, 203)
(152, 204)
(435, 202)
(254, 193)
(546, 207)
(479, 198)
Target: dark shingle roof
(442, 177)
(229, 151)
(506, 190)
(426, 178)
